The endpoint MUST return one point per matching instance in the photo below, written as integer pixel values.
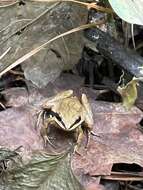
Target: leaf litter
(119, 141)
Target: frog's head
(67, 123)
(70, 124)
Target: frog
(69, 113)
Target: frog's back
(70, 109)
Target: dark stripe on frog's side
(76, 121)
(54, 114)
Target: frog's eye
(51, 113)
(76, 122)
(47, 113)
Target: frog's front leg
(80, 135)
(40, 114)
(88, 133)
(44, 131)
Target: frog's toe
(94, 134)
(47, 140)
(76, 150)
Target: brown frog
(68, 113)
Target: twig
(8, 5)
(88, 5)
(5, 53)
(113, 50)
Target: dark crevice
(22, 3)
(56, 52)
(100, 74)
(124, 167)
(109, 96)
(2, 102)
(141, 122)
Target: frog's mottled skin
(69, 113)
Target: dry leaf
(120, 140)
(129, 93)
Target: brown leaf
(17, 129)
(119, 141)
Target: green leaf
(43, 172)
(129, 10)
(129, 93)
